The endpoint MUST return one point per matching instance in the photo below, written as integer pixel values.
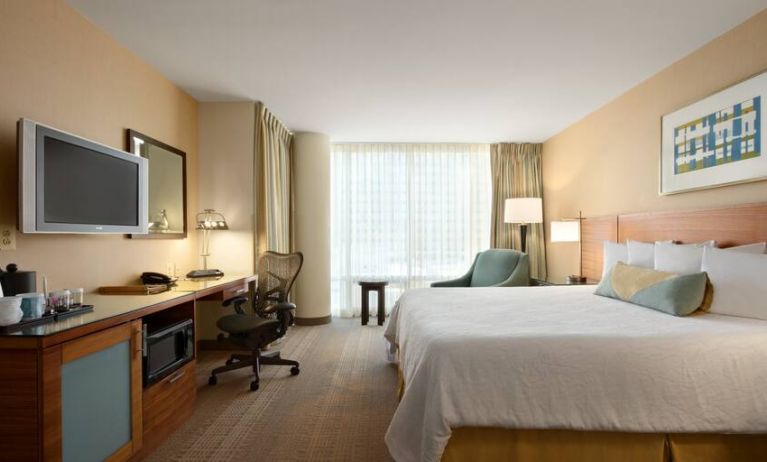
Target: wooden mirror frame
(130, 134)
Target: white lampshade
(565, 231)
(523, 210)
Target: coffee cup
(10, 310)
(33, 305)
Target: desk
(40, 367)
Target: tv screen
(68, 184)
(82, 186)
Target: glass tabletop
(108, 306)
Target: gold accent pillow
(678, 295)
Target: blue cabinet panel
(96, 404)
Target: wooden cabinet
(92, 399)
(19, 402)
(78, 400)
(167, 404)
(74, 391)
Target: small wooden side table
(376, 286)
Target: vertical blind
(409, 214)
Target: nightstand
(561, 282)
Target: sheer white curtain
(410, 214)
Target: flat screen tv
(68, 184)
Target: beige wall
(226, 184)
(59, 69)
(226, 180)
(608, 162)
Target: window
(410, 214)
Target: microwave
(166, 348)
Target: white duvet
(561, 357)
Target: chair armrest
(520, 277)
(284, 312)
(279, 307)
(238, 302)
(463, 281)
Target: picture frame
(717, 141)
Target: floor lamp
(523, 211)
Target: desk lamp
(569, 230)
(208, 220)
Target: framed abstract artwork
(716, 141)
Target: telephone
(152, 279)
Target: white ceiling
(416, 70)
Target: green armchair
(494, 268)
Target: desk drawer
(167, 404)
(235, 290)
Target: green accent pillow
(679, 295)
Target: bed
(558, 373)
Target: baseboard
(313, 321)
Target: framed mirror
(167, 186)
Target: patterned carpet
(337, 409)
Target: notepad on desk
(139, 289)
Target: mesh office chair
(271, 317)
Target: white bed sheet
(561, 357)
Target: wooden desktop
(34, 360)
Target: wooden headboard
(729, 226)
(594, 231)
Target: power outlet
(7, 237)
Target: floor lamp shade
(523, 210)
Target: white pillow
(738, 280)
(641, 254)
(759, 247)
(612, 253)
(679, 259)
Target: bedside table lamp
(523, 211)
(209, 220)
(569, 230)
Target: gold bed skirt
(472, 444)
(491, 444)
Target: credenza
(73, 390)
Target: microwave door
(166, 351)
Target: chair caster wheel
(229, 362)
(294, 370)
(212, 380)
(253, 386)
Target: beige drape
(516, 172)
(273, 179)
